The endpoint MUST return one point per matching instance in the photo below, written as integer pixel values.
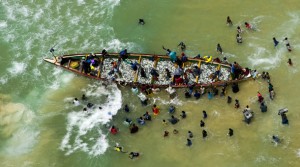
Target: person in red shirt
(113, 130)
(155, 110)
(260, 98)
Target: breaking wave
(82, 124)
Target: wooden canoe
(102, 68)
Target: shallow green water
(36, 116)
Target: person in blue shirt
(123, 54)
(275, 42)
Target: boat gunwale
(137, 55)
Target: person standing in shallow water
(219, 49)
(141, 21)
(275, 42)
(204, 114)
(189, 142)
(202, 124)
(230, 133)
(204, 134)
(229, 22)
(290, 62)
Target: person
(166, 134)
(154, 74)
(204, 133)
(260, 98)
(196, 71)
(83, 97)
(247, 114)
(202, 124)
(134, 66)
(268, 76)
(237, 104)
(229, 99)
(187, 94)
(175, 131)
(275, 139)
(134, 155)
(248, 26)
(143, 98)
(219, 49)
(90, 105)
(141, 121)
(275, 42)
(182, 46)
(171, 109)
(230, 133)
(167, 74)
(204, 114)
(272, 94)
(104, 53)
(123, 54)
(202, 90)
(168, 50)
(229, 22)
(290, 62)
(113, 130)
(147, 116)
(183, 114)
(76, 102)
(197, 94)
(235, 87)
(134, 128)
(141, 21)
(126, 108)
(287, 44)
(190, 134)
(164, 122)
(239, 30)
(263, 107)
(155, 110)
(284, 119)
(119, 148)
(189, 142)
(173, 120)
(84, 109)
(239, 38)
(183, 58)
(143, 73)
(128, 121)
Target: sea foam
(81, 124)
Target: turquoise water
(40, 127)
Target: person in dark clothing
(134, 128)
(143, 73)
(189, 142)
(197, 94)
(284, 119)
(183, 114)
(126, 108)
(263, 107)
(230, 133)
(202, 124)
(204, 133)
(123, 54)
(182, 46)
(235, 87)
(173, 120)
(134, 155)
(229, 99)
(141, 21)
(204, 114)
